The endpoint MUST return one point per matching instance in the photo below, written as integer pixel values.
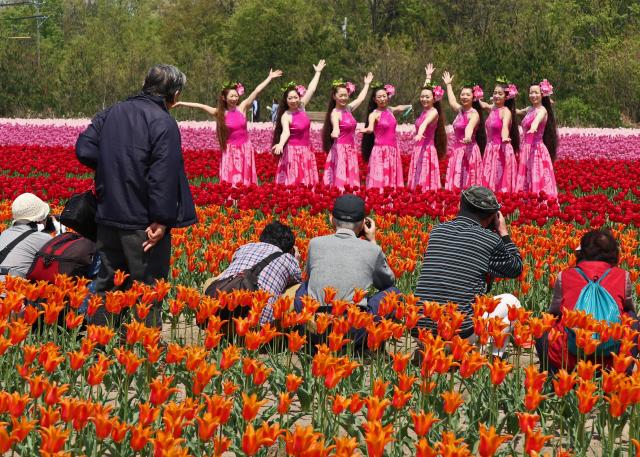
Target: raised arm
(506, 123)
(427, 120)
(453, 103)
(363, 93)
(428, 70)
(306, 98)
(522, 111)
(335, 125)
(259, 88)
(284, 136)
(536, 122)
(486, 106)
(474, 118)
(209, 109)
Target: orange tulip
(422, 422)
(98, 371)
(616, 406)
(471, 363)
(303, 441)
(53, 392)
(292, 382)
(380, 388)
(52, 439)
(100, 334)
(532, 399)
(339, 404)
(564, 383)
(586, 399)
(533, 378)
(586, 369)
(251, 406)
(534, 441)
(261, 374)
(375, 407)
(499, 369)
(147, 414)
(48, 416)
(230, 355)
(490, 441)
(377, 437)
(160, 390)
(452, 400)
(400, 398)
(424, 450)
(16, 403)
(400, 361)
(6, 441)
(346, 446)
(207, 425)
(119, 277)
(119, 430)
(284, 403)
(140, 436)
(20, 429)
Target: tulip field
(70, 389)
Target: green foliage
(95, 52)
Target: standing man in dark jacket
(142, 189)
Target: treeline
(91, 53)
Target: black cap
(481, 198)
(348, 208)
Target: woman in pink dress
(297, 164)
(465, 162)
(431, 139)
(499, 167)
(237, 165)
(379, 143)
(538, 149)
(338, 135)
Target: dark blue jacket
(134, 147)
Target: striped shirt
(275, 278)
(460, 256)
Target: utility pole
(38, 17)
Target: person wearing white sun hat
(20, 242)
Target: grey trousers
(121, 249)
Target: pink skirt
(238, 165)
(385, 168)
(424, 169)
(535, 170)
(342, 167)
(297, 165)
(499, 167)
(464, 168)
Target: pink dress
(297, 164)
(424, 169)
(499, 166)
(385, 165)
(237, 165)
(465, 162)
(342, 167)
(535, 170)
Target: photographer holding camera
(31, 229)
(464, 255)
(345, 262)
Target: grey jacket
(19, 260)
(345, 262)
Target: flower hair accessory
(301, 90)
(391, 91)
(477, 92)
(291, 85)
(512, 91)
(437, 91)
(502, 80)
(237, 86)
(351, 88)
(546, 88)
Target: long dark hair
(514, 130)
(441, 133)
(550, 136)
(282, 107)
(327, 128)
(221, 126)
(481, 134)
(369, 138)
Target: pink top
(347, 126)
(493, 124)
(385, 129)
(236, 123)
(532, 138)
(430, 132)
(460, 124)
(299, 129)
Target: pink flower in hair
(512, 90)
(351, 88)
(240, 89)
(437, 93)
(477, 92)
(390, 90)
(546, 88)
(301, 90)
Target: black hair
(221, 126)
(279, 235)
(514, 130)
(440, 139)
(327, 127)
(550, 136)
(282, 107)
(599, 245)
(164, 81)
(369, 138)
(481, 134)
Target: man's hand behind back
(155, 232)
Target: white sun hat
(29, 207)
